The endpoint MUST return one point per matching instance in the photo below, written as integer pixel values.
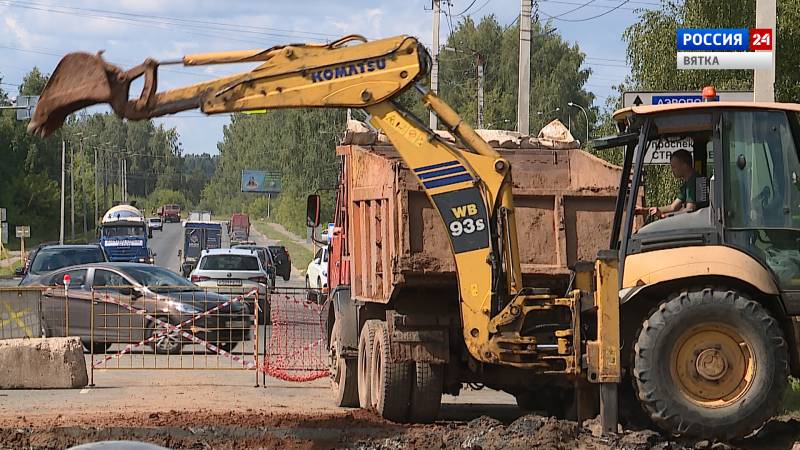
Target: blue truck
(198, 235)
(123, 235)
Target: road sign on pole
(3, 216)
(5, 232)
(639, 98)
(23, 231)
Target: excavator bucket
(80, 80)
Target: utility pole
(63, 182)
(433, 123)
(480, 89)
(764, 79)
(96, 208)
(72, 192)
(524, 92)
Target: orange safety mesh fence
(297, 348)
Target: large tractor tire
(391, 381)
(710, 363)
(426, 392)
(364, 368)
(344, 376)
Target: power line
(572, 3)
(466, 9)
(579, 7)
(173, 21)
(621, 4)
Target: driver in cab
(686, 201)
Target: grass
(792, 401)
(300, 254)
(9, 270)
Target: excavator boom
(289, 76)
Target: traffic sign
(4, 232)
(3, 216)
(67, 279)
(23, 231)
(25, 105)
(639, 98)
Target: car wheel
(96, 348)
(168, 343)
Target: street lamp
(546, 115)
(585, 116)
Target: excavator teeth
(80, 80)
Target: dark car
(283, 262)
(100, 319)
(47, 258)
(265, 256)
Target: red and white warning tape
(167, 327)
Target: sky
(39, 32)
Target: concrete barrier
(42, 363)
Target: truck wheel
(344, 377)
(426, 392)
(710, 363)
(391, 381)
(365, 342)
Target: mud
(352, 430)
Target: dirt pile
(357, 430)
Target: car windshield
(121, 231)
(159, 279)
(49, 259)
(230, 262)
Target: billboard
(261, 181)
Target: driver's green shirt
(687, 192)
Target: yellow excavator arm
(470, 189)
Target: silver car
(232, 271)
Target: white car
(317, 271)
(231, 272)
(154, 223)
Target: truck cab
(123, 234)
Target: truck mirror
(312, 211)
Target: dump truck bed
(564, 200)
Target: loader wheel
(391, 381)
(365, 342)
(426, 392)
(710, 363)
(344, 378)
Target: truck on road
(198, 235)
(170, 213)
(240, 227)
(123, 235)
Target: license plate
(229, 282)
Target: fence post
(91, 339)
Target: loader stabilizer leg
(603, 355)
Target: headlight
(184, 308)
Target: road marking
(85, 391)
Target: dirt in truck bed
(354, 429)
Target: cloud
(23, 37)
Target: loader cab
(748, 182)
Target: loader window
(762, 195)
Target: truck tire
(391, 381)
(710, 363)
(344, 376)
(365, 342)
(426, 392)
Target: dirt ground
(354, 429)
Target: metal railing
(281, 334)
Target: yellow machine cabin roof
(627, 113)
